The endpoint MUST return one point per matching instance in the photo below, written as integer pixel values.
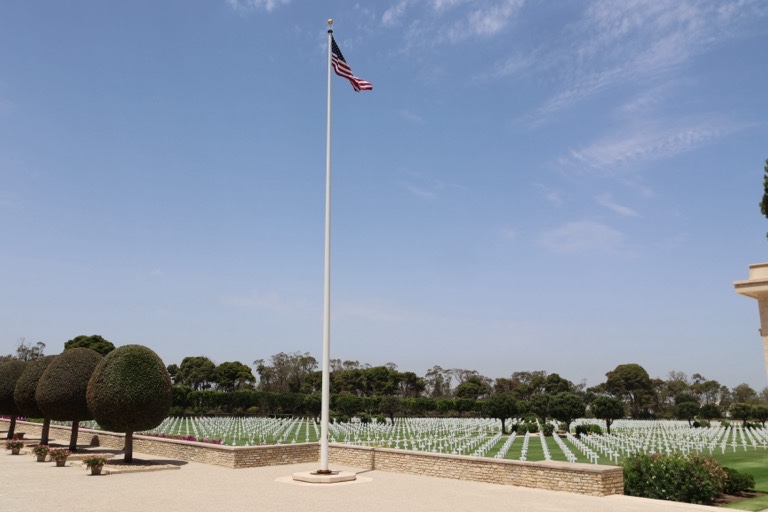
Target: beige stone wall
(592, 479)
(207, 453)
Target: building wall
(592, 479)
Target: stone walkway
(26, 485)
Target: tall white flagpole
(326, 383)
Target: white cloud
(392, 15)
(582, 236)
(410, 116)
(452, 21)
(492, 20)
(419, 191)
(439, 5)
(607, 201)
(514, 65)
(267, 5)
(649, 143)
(551, 195)
(431, 190)
(626, 42)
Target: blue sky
(559, 186)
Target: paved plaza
(26, 485)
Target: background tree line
(290, 384)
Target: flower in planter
(59, 454)
(94, 461)
(41, 450)
(14, 444)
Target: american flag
(342, 69)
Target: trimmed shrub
(548, 430)
(10, 372)
(738, 482)
(522, 428)
(26, 386)
(689, 479)
(588, 428)
(130, 390)
(60, 393)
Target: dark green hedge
(26, 387)
(61, 391)
(130, 390)
(10, 371)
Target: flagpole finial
(330, 22)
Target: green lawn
(755, 463)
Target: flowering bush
(690, 479)
(41, 450)
(186, 438)
(59, 454)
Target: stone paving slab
(26, 485)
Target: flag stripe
(342, 69)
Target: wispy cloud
(419, 191)
(582, 236)
(620, 41)
(393, 15)
(551, 195)
(607, 201)
(267, 5)
(451, 21)
(651, 142)
(410, 116)
(431, 190)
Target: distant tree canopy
(197, 372)
(608, 409)
(764, 201)
(233, 375)
(631, 383)
(566, 407)
(473, 388)
(28, 352)
(93, 342)
(501, 406)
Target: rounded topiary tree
(10, 371)
(130, 391)
(24, 394)
(60, 394)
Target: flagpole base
(324, 476)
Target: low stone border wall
(207, 453)
(591, 479)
